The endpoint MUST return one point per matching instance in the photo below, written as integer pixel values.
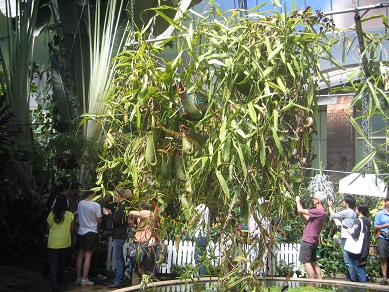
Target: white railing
(183, 254)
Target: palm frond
(16, 60)
(102, 47)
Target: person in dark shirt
(316, 218)
(118, 215)
(346, 217)
(359, 260)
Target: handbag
(353, 245)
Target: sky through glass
(324, 5)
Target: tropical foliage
(226, 121)
(221, 112)
(16, 60)
(39, 156)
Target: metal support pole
(366, 73)
(361, 8)
(242, 4)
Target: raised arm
(141, 214)
(300, 208)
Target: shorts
(307, 252)
(87, 241)
(382, 247)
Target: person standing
(316, 218)
(158, 246)
(201, 221)
(60, 222)
(119, 233)
(347, 218)
(89, 217)
(381, 224)
(144, 242)
(358, 261)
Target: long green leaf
(364, 161)
(262, 150)
(360, 131)
(238, 148)
(277, 141)
(167, 18)
(223, 183)
(275, 52)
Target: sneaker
(86, 282)
(78, 281)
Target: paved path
(24, 273)
(17, 279)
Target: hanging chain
(132, 15)
(366, 73)
(132, 28)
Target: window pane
(358, 150)
(225, 4)
(379, 158)
(373, 23)
(324, 5)
(378, 124)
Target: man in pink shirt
(316, 218)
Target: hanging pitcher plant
(225, 118)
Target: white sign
(363, 184)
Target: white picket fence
(183, 254)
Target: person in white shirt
(89, 217)
(346, 218)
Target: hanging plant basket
(321, 183)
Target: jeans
(359, 271)
(119, 260)
(349, 262)
(200, 251)
(57, 261)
